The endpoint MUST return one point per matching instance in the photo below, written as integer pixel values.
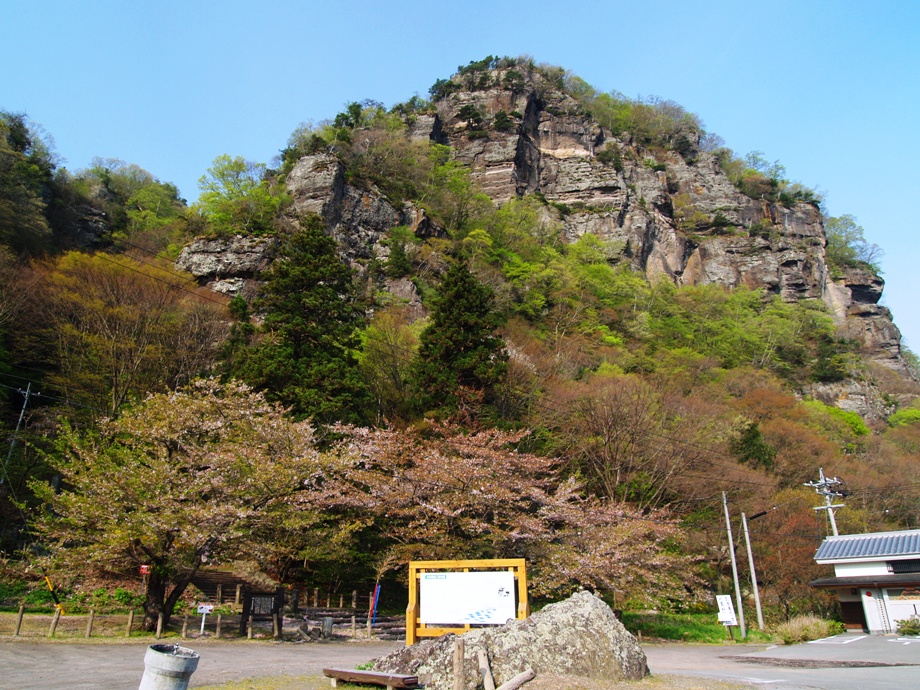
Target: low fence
(352, 615)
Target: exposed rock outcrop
(674, 216)
(225, 263)
(358, 219)
(666, 214)
(577, 637)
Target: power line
(104, 257)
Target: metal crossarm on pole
(824, 488)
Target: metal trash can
(168, 667)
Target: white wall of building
(870, 569)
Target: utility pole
(747, 541)
(25, 402)
(823, 487)
(731, 551)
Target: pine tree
(459, 351)
(303, 355)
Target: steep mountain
(661, 201)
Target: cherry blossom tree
(440, 493)
(205, 474)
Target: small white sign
(205, 608)
(477, 598)
(726, 609)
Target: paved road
(71, 666)
(836, 663)
(842, 662)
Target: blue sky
(829, 89)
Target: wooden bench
(390, 680)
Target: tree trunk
(153, 600)
(157, 601)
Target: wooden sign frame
(416, 629)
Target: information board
(474, 598)
(726, 609)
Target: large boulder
(576, 637)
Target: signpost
(727, 612)
(204, 610)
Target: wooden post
(316, 597)
(89, 624)
(488, 682)
(276, 625)
(184, 626)
(518, 680)
(130, 623)
(239, 589)
(354, 598)
(341, 601)
(54, 622)
(370, 612)
(459, 683)
(328, 600)
(220, 594)
(354, 628)
(22, 610)
(160, 625)
(249, 628)
(217, 630)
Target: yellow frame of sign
(416, 629)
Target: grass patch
(686, 627)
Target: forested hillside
(521, 318)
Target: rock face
(577, 637)
(669, 215)
(358, 219)
(674, 216)
(224, 264)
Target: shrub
(909, 415)
(502, 122)
(610, 155)
(909, 626)
(807, 627)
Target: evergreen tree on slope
(459, 352)
(303, 355)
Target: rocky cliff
(672, 215)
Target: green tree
(387, 347)
(750, 447)
(235, 197)
(847, 245)
(205, 474)
(112, 329)
(26, 167)
(303, 354)
(459, 352)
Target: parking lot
(842, 662)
